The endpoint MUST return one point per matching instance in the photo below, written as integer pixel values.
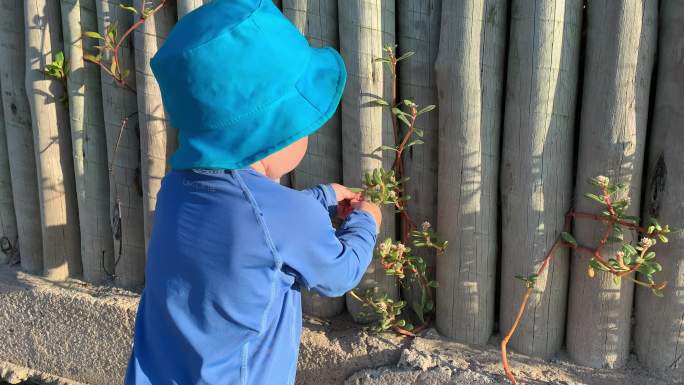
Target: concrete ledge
(75, 332)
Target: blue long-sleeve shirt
(228, 252)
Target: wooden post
(537, 167)
(125, 189)
(317, 20)
(8, 222)
(17, 119)
(469, 73)
(658, 338)
(621, 38)
(157, 137)
(418, 31)
(366, 26)
(185, 6)
(88, 140)
(52, 142)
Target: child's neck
(261, 169)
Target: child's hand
(344, 199)
(369, 207)
(344, 193)
(348, 200)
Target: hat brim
(314, 101)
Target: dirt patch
(432, 360)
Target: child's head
(243, 87)
(281, 162)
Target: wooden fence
(533, 98)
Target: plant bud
(591, 272)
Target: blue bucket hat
(240, 82)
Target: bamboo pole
(123, 155)
(17, 122)
(621, 38)
(469, 73)
(52, 142)
(365, 28)
(88, 140)
(658, 337)
(317, 20)
(157, 137)
(418, 32)
(537, 167)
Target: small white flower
(647, 242)
(602, 180)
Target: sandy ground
(431, 360)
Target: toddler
(230, 248)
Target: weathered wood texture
(157, 137)
(317, 20)
(418, 31)
(469, 73)
(124, 179)
(52, 142)
(658, 338)
(537, 166)
(8, 222)
(617, 76)
(365, 28)
(88, 140)
(19, 139)
(185, 6)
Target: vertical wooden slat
(88, 140)
(537, 166)
(469, 73)
(52, 142)
(621, 37)
(365, 28)
(19, 139)
(185, 6)
(317, 20)
(157, 137)
(658, 339)
(124, 180)
(418, 31)
(8, 222)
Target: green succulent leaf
(93, 34)
(128, 8)
(567, 237)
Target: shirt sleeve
(325, 195)
(333, 262)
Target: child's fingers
(343, 192)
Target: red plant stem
(594, 253)
(393, 71)
(605, 218)
(138, 23)
(526, 296)
(118, 81)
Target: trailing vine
(110, 44)
(624, 264)
(383, 186)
